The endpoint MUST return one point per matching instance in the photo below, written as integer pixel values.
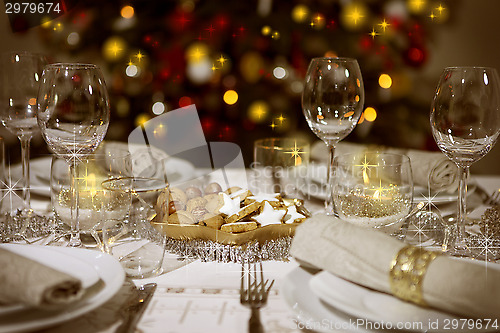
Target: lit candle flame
(365, 177)
(376, 195)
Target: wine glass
(465, 121)
(332, 102)
(21, 72)
(73, 115)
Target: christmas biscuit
(238, 227)
(269, 215)
(244, 212)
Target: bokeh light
(127, 12)
(385, 81)
(158, 108)
(300, 13)
(230, 97)
(258, 111)
(370, 114)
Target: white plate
(379, 307)
(178, 171)
(108, 270)
(310, 311)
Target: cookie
(233, 189)
(175, 206)
(293, 216)
(243, 212)
(211, 220)
(210, 197)
(176, 194)
(241, 194)
(238, 227)
(181, 217)
(214, 204)
(273, 199)
(192, 192)
(194, 203)
(229, 206)
(212, 188)
(199, 212)
(269, 215)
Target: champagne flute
(73, 115)
(465, 122)
(332, 102)
(21, 72)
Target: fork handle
(254, 324)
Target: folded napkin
(430, 169)
(366, 257)
(27, 282)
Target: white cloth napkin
(430, 169)
(24, 281)
(364, 256)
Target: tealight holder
(91, 172)
(373, 189)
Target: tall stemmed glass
(21, 72)
(332, 102)
(465, 121)
(73, 115)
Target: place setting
(249, 167)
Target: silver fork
(253, 293)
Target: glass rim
(470, 68)
(404, 158)
(71, 65)
(261, 143)
(342, 59)
(165, 183)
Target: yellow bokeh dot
(230, 97)
(127, 12)
(417, 6)
(258, 111)
(370, 114)
(141, 119)
(276, 35)
(385, 81)
(114, 48)
(300, 13)
(196, 52)
(266, 30)
(46, 22)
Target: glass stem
(75, 240)
(329, 180)
(25, 161)
(462, 204)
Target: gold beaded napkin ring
(408, 271)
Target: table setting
(169, 232)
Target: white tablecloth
(195, 296)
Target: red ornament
(415, 56)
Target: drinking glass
(73, 115)
(332, 102)
(373, 189)
(280, 166)
(465, 122)
(21, 72)
(103, 164)
(137, 242)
